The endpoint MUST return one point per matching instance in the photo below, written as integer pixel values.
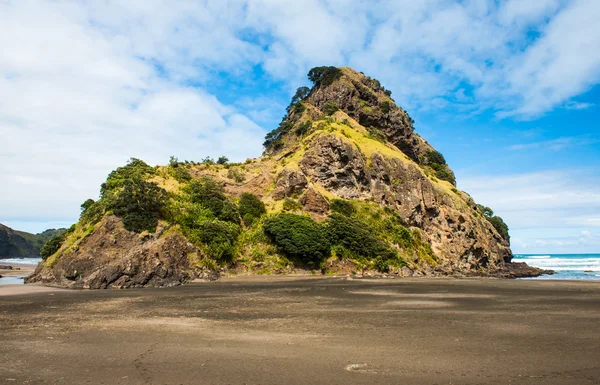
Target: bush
(219, 237)
(444, 173)
(251, 208)
(329, 108)
(236, 174)
(500, 226)
(299, 108)
(222, 160)
(303, 128)
(386, 107)
(140, 204)
(342, 206)
(324, 76)
(135, 169)
(434, 156)
(92, 212)
(388, 93)
(291, 205)
(298, 237)
(52, 246)
(180, 174)
(210, 194)
(357, 237)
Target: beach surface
(306, 331)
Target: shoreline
(17, 269)
(36, 288)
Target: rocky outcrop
(343, 139)
(456, 234)
(112, 257)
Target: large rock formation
(344, 140)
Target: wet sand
(17, 269)
(307, 331)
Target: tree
(86, 205)
(324, 76)
(222, 160)
(301, 94)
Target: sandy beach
(307, 331)
(17, 269)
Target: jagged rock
(314, 202)
(130, 262)
(289, 183)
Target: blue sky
(507, 90)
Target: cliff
(345, 186)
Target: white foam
(23, 261)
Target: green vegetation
(299, 108)
(342, 206)
(291, 205)
(54, 243)
(329, 108)
(386, 106)
(495, 220)
(251, 208)
(298, 237)
(223, 160)
(141, 204)
(301, 94)
(324, 76)
(437, 162)
(303, 128)
(135, 169)
(358, 238)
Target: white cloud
(85, 85)
(542, 209)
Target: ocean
(17, 279)
(566, 266)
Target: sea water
(17, 279)
(565, 266)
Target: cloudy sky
(507, 90)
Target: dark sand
(326, 331)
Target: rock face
(343, 139)
(112, 257)
(456, 234)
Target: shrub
(357, 237)
(377, 134)
(342, 206)
(444, 173)
(386, 106)
(251, 208)
(52, 245)
(140, 204)
(299, 108)
(329, 108)
(222, 160)
(324, 76)
(434, 156)
(298, 237)
(236, 174)
(135, 169)
(303, 128)
(500, 226)
(388, 93)
(210, 194)
(219, 237)
(180, 174)
(92, 212)
(291, 205)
